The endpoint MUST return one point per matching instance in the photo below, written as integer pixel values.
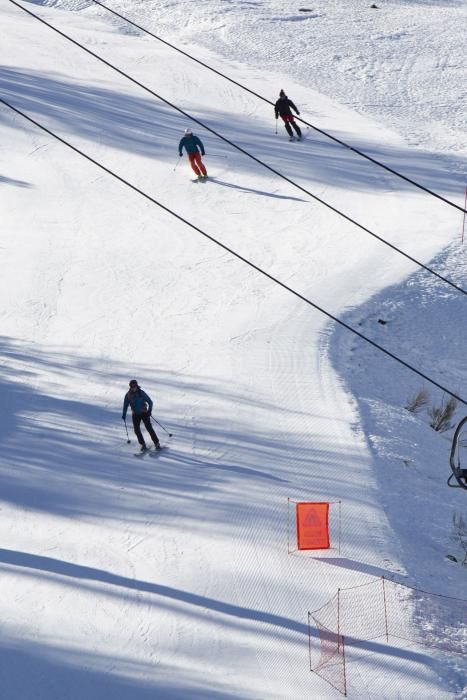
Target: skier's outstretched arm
(293, 106)
(200, 144)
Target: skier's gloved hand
(180, 154)
(123, 417)
(203, 153)
(298, 112)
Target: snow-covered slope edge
(423, 323)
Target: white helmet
(188, 132)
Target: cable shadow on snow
(68, 456)
(78, 572)
(253, 191)
(17, 183)
(353, 565)
(42, 669)
(145, 126)
(382, 648)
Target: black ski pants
(146, 418)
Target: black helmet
(133, 382)
(282, 94)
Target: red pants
(197, 164)
(288, 119)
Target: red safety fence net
(383, 608)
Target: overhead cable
(264, 99)
(242, 150)
(234, 253)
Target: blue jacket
(192, 145)
(139, 402)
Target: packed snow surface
(176, 575)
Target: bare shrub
(417, 401)
(441, 415)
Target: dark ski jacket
(192, 145)
(282, 107)
(139, 402)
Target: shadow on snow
(148, 127)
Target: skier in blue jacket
(195, 149)
(141, 407)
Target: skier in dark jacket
(195, 149)
(141, 407)
(282, 108)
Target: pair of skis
(305, 133)
(151, 451)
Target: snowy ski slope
(170, 577)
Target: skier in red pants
(195, 149)
(283, 108)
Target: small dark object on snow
(451, 558)
(383, 323)
(374, 7)
(304, 9)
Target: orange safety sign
(312, 525)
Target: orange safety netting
(312, 525)
(382, 609)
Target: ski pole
(178, 161)
(276, 127)
(128, 437)
(156, 421)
